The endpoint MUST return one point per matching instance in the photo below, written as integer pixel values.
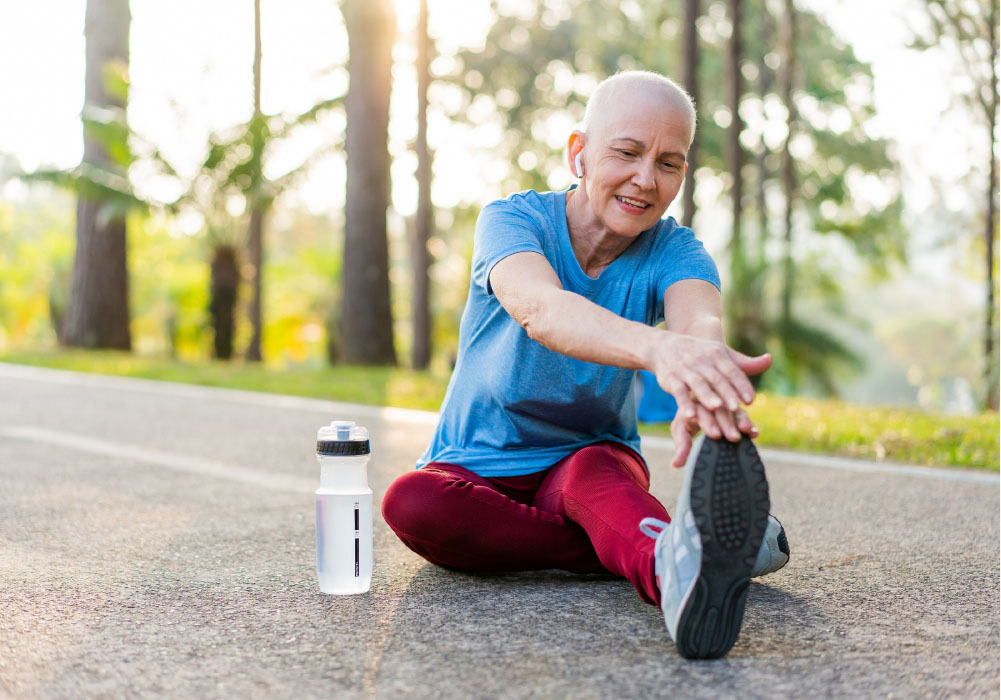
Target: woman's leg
(455, 518)
(604, 488)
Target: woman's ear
(575, 149)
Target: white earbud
(580, 168)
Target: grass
(833, 427)
(880, 433)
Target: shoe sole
(729, 501)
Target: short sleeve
(502, 229)
(684, 257)
(681, 257)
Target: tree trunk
(990, 225)
(225, 282)
(787, 39)
(98, 311)
(690, 78)
(255, 235)
(764, 89)
(734, 152)
(366, 320)
(421, 303)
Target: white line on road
(405, 415)
(169, 460)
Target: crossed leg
(580, 515)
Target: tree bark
(97, 315)
(255, 234)
(421, 355)
(990, 225)
(787, 39)
(764, 89)
(734, 152)
(690, 79)
(225, 272)
(366, 320)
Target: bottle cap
(342, 438)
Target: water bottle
(343, 509)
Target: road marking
(203, 393)
(159, 458)
(868, 466)
(406, 415)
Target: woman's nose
(644, 175)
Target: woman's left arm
(694, 308)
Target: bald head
(633, 90)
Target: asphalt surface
(157, 539)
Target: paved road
(157, 539)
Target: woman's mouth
(630, 204)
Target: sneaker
(772, 555)
(774, 551)
(705, 557)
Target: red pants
(580, 515)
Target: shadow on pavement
(558, 634)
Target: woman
(535, 462)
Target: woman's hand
(709, 382)
(715, 424)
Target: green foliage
(36, 256)
(300, 292)
(234, 161)
(807, 350)
(169, 290)
(106, 179)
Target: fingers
(686, 407)
(704, 392)
(744, 424)
(722, 423)
(750, 365)
(707, 421)
(739, 383)
(727, 425)
(715, 424)
(682, 441)
(713, 374)
(724, 384)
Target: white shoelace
(652, 527)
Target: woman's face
(634, 164)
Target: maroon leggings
(580, 515)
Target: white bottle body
(344, 541)
(343, 509)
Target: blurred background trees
(970, 30)
(366, 322)
(97, 314)
(800, 201)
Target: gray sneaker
(774, 551)
(704, 559)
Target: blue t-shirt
(515, 407)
